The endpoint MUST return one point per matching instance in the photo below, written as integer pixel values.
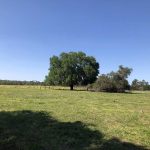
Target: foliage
(73, 68)
(104, 83)
(119, 78)
(114, 81)
(140, 85)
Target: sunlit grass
(124, 116)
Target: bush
(112, 82)
(104, 83)
(140, 85)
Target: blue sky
(114, 31)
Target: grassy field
(46, 119)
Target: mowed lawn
(45, 119)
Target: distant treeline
(15, 82)
(102, 82)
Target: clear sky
(114, 31)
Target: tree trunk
(71, 87)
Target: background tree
(114, 81)
(140, 85)
(73, 68)
(135, 84)
(120, 78)
(104, 83)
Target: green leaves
(72, 68)
(114, 81)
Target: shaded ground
(28, 130)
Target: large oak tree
(73, 68)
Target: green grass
(46, 119)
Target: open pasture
(34, 118)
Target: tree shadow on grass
(116, 144)
(27, 130)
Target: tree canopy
(114, 81)
(73, 68)
(140, 85)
